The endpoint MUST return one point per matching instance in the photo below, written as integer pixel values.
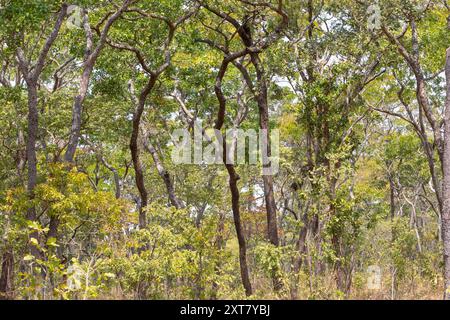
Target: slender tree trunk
(445, 221)
(338, 266)
(91, 55)
(271, 208)
(391, 197)
(32, 75)
(164, 174)
(53, 228)
(6, 276)
(33, 124)
(233, 180)
(135, 153)
(269, 197)
(394, 284)
(220, 243)
(115, 175)
(90, 58)
(300, 249)
(77, 111)
(21, 157)
(239, 230)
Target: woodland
(92, 205)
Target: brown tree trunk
(233, 179)
(32, 75)
(263, 107)
(220, 244)
(33, 121)
(239, 230)
(77, 111)
(300, 249)
(53, 227)
(140, 105)
(394, 283)
(6, 277)
(445, 221)
(342, 280)
(164, 174)
(135, 154)
(271, 208)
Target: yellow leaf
(28, 257)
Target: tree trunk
(263, 107)
(6, 277)
(90, 58)
(220, 244)
(343, 281)
(300, 248)
(134, 148)
(164, 174)
(115, 174)
(445, 221)
(77, 111)
(233, 179)
(394, 283)
(271, 208)
(239, 230)
(33, 120)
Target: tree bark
(445, 220)
(6, 276)
(77, 111)
(33, 125)
(219, 244)
(90, 59)
(32, 75)
(239, 230)
(135, 153)
(271, 208)
(233, 179)
(164, 174)
(115, 174)
(140, 103)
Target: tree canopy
(350, 98)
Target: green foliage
(359, 163)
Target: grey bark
(90, 59)
(445, 219)
(164, 174)
(31, 76)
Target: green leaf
(28, 257)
